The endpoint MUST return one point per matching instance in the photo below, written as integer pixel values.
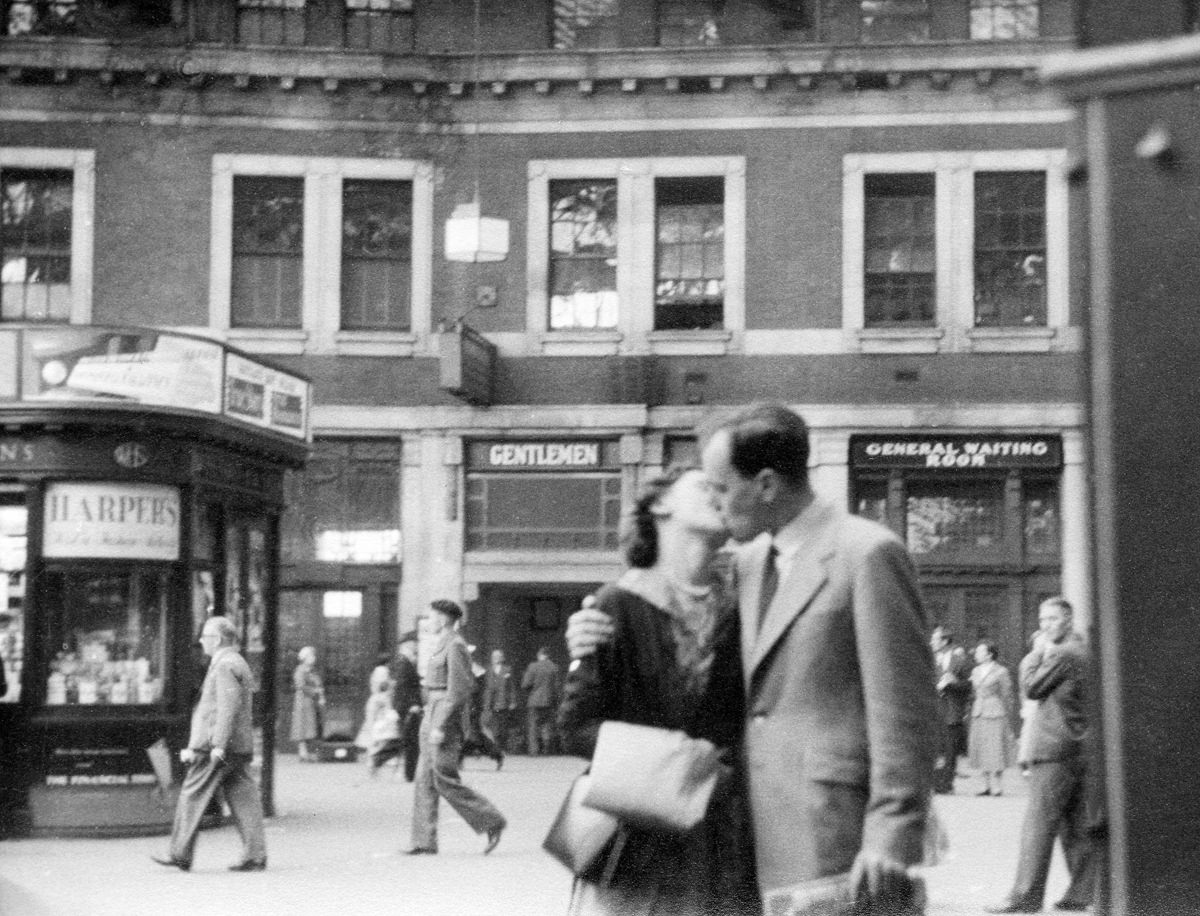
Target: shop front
(982, 517)
(141, 483)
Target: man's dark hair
(767, 436)
(447, 607)
(1061, 603)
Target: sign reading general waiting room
(956, 452)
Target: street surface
(335, 848)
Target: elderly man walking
(218, 754)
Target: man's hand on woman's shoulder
(587, 629)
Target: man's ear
(768, 485)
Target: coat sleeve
(590, 694)
(1044, 672)
(229, 689)
(901, 707)
(460, 682)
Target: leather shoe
(1012, 906)
(1072, 906)
(493, 836)
(249, 865)
(420, 851)
(173, 863)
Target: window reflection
(954, 519)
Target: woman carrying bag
(672, 664)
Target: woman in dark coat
(673, 663)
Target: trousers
(437, 777)
(539, 727)
(1055, 808)
(232, 777)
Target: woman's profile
(672, 663)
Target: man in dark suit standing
(953, 671)
(541, 682)
(499, 699)
(218, 754)
(1057, 673)
(841, 729)
(406, 698)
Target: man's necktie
(770, 583)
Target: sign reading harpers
(543, 455)
(956, 452)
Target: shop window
(35, 244)
(271, 22)
(268, 251)
(379, 25)
(586, 24)
(899, 250)
(689, 23)
(1004, 20)
(894, 20)
(41, 17)
(13, 541)
(543, 512)
(583, 254)
(344, 507)
(376, 255)
(1042, 519)
(109, 627)
(946, 519)
(1010, 248)
(681, 451)
(689, 292)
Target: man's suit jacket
(842, 730)
(449, 679)
(541, 680)
(499, 690)
(954, 696)
(1058, 677)
(222, 715)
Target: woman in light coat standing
(308, 702)
(990, 743)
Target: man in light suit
(218, 754)
(841, 730)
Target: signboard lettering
(16, 452)
(956, 452)
(133, 521)
(544, 455)
(266, 397)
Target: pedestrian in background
(991, 740)
(478, 741)
(448, 685)
(499, 699)
(406, 697)
(380, 732)
(541, 683)
(218, 754)
(308, 703)
(952, 668)
(1057, 673)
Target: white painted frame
(82, 164)
(635, 257)
(320, 307)
(954, 234)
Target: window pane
(271, 22)
(689, 23)
(41, 17)
(586, 23)
(379, 25)
(376, 254)
(948, 518)
(110, 628)
(1042, 529)
(13, 538)
(1010, 248)
(894, 20)
(35, 244)
(899, 249)
(344, 507)
(690, 279)
(583, 254)
(870, 500)
(1004, 20)
(543, 512)
(268, 251)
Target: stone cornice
(765, 67)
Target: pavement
(335, 847)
